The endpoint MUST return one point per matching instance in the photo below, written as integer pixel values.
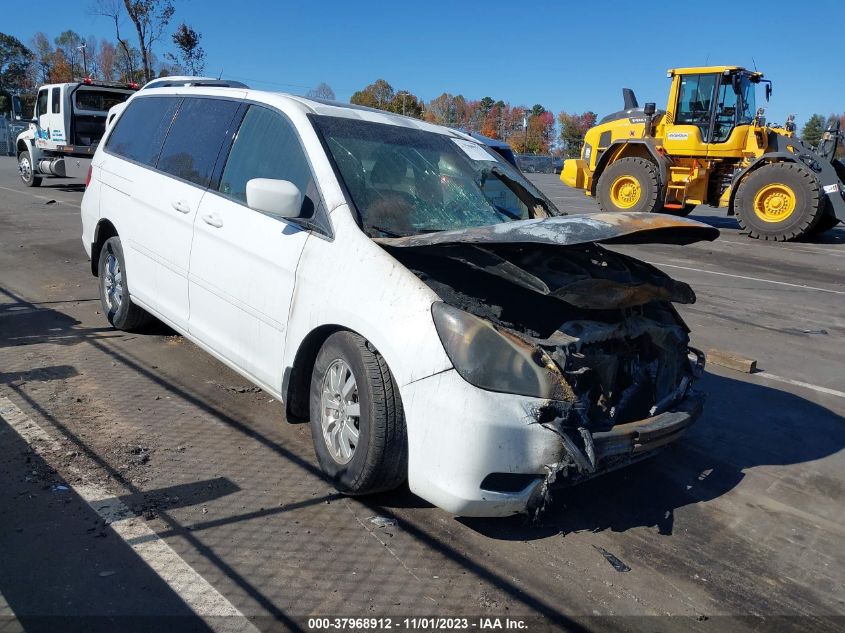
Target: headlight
(493, 360)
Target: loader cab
(709, 110)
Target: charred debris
(600, 322)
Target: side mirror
(280, 198)
(649, 109)
(768, 90)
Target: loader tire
(827, 221)
(779, 202)
(630, 184)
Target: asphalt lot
(207, 510)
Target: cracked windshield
(405, 181)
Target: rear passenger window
(195, 139)
(266, 147)
(140, 130)
(57, 101)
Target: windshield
(749, 107)
(405, 181)
(98, 100)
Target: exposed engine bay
(599, 325)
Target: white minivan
(398, 285)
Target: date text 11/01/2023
(417, 624)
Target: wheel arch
(296, 383)
(103, 231)
(633, 148)
(24, 146)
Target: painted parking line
(768, 281)
(799, 383)
(44, 198)
(203, 599)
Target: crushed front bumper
(624, 444)
(462, 438)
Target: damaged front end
(591, 332)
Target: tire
(114, 289)
(379, 459)
(776, 190)
(26, 170)
(825, 223)
(629, 175)
(682, 212)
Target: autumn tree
(322, 91)
(67, 45)
(125, 66)
(107, 60)
(191, 55)
(15, 63)
(150, 18)
(405, 103)
(377, 95)
(573, 127)
(43, 50)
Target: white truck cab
(67, 125)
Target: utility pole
(84, 60)
(525, 132)
(404, 94)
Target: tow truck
(67, 125)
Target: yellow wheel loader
(712, 146)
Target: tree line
(527, 130)
(815, 127)
(129, 57)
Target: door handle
(181, 206)
(213, 219)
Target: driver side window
(41, 106)
(695, 99)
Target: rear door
(243, 262)
(166, 200)
(127, 171)
(689, 133)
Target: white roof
(314, 106)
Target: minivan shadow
(744, 425)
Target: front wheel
(357, 421)
(779, 201)
(27, 170)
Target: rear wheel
(357, 421)
(629, 184)
(114, 289)
(779, 201)
(27, 170)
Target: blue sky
(570, 56)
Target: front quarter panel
(353, 283)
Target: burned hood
(608, 228)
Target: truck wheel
(826, 222)
(27, 170)
(114, 289)
(629, 184)
(779, 201)
(357, 421)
